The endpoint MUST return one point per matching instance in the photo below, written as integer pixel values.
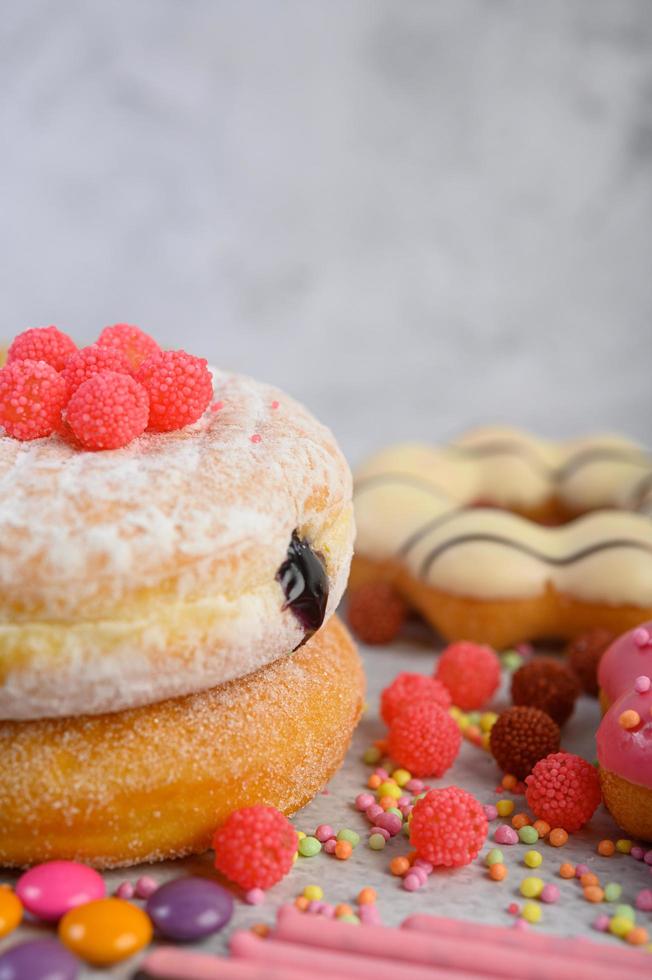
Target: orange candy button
(11, 911)
(105, 931)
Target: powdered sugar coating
(149, 572)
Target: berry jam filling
(304, 582)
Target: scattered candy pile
(102, 396)
(426, 827)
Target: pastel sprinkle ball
(50, 890)
(179, 386)
(641, 637)
(471, 672)
(642, 684)
(309, 846)
(146, 886)
(42, 344)
(376, 842)
(532, 859)
(38, 959)
(531, 912)
(505, 808)
(644, 900)
(563, 790)
(424, 738)
(32, 398)
(108, 411)
(131, 341)
(528, 835)
(629, 719)
(84, 363)
(495, 856)
(448, 827)
(531, 887)
(558, 837)
(187, 909)
(498, 872)
(255, 847)
(255, 896)
(125, 890)
(549, 893)
(606, 848)
(409, 688)
(505, 835)
(612, 891)
(105, 931)
(11, 911)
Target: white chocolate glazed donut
(150, 572)
(430, 515)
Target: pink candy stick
(170, 963)
(319, 962)
(472, 957)
(536, 943)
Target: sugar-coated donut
(156, 570)
(624, 744)
(628, 657)
(154, 782)
(460, 531)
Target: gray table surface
(466, 893)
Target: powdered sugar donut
(172, 565)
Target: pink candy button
(49, 890)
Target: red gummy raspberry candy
(134, 343)
(471, 672)
(179, 386)
(376, 612)
(108, 411)
(424, 739)
(563, 790)
(42, 344)
(32, 397)
(448, 827)
(84, 363)
(255, 848)
(408, 689)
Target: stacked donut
(167, 645)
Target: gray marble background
(413, 215)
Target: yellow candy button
(105, 931)
(11, 911)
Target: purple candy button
(189, 908)
(38, 959)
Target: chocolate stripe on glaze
(408, 479)
(593, 549)
(582, 458)
(425, 529)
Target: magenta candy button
(49, 890)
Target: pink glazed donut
(624, 743)
(627, 658)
